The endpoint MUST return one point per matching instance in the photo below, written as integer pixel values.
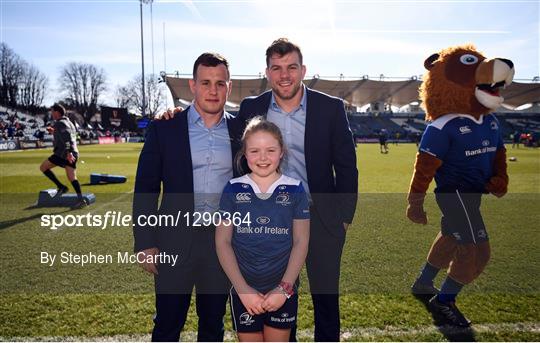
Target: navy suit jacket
(329, 152)
(165, 168)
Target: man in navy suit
(321, 153)
(187, 160)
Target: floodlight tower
(142, 56)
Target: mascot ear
(429, 62)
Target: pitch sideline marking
(347, 333)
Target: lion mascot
(462, 148)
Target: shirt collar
(195, 117)
(303, 101)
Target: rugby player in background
(65, 154)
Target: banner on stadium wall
(8, 145)
(85, 142)
(367, 140)
(28, 144)
(143, 123)
(106, 140)
(47, 144)
(135, 139)
(94, 141)
(117, 118)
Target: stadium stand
(406, 124)
(22, 130)
(17, 125)
(378, 96)
(14, 123)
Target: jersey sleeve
(227, 204)
(435, 142)
(301, 210)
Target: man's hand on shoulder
(169, 114)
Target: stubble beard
(282, 96)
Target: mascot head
(461, 80)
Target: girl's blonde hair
(254, 125)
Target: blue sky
(349, 37)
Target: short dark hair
(58, 108)
(282, 46)
(210, 59)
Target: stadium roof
(355, 92)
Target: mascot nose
(509, 63)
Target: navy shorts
(461, 217)
(62, 162)
(283, 318)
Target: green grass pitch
(382, 256)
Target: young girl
(263, 258)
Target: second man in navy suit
(320, 153)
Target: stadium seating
(410, 124)
(364, 125)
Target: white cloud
(193, 9)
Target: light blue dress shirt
(293, 128)
(211, 157)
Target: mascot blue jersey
(466, 147)
(263, 248)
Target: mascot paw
(497, 186)
(416, 214)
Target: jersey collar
(468, 116)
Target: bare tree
(122, 97)
(33, 88)
(83, 84)
(11, 71)
(154, 95)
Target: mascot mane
(461, 80)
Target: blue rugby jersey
(263, 248)
(466, 147)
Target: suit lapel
(234, 136)
(184, 149)
(308, 135)
(265, 104)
